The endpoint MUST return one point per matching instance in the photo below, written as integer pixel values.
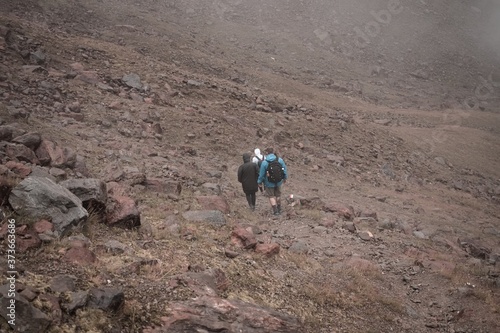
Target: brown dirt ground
(395, 283)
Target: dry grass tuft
(93, 320)
(302, 261)
(314, 215)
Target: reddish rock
(43, 226)
(214, 202)
(343, 211)
(88, 76)
(268, 250)
(80, 256)
(115, 189)
(163, 186)
(18, 168)
(369, 214)
(77, 67)
(26, 240)
(115, 105)
(243, 238)
(50, 153)
(122, 211)
(21, 153)
(327, 222)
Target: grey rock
(212, 187)
(194, 83)
(320, 229)
(349, 226)
(104, 87)
(214, 174)
(38, 171)
(41, 198)
(384, 122)
(387, 170)
(419, 234)
(299, 247)
(106, 298)
(78, 300)
(62, 283)
(132, 80)
(28, 319)
(365, 235)
(30, 140)
(115, 247)
(386, 224)
(6, 133)
(58, 174)
(440, 160)
(38, 57)
(92, 192)
(215, 217)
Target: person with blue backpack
(273, 173)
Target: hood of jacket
(257, 153)
(246, 157)
(270, 157)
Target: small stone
(365, 235)
(419, 234)
(194, 83)
(267, 250)
(231, 254)
(349, 226)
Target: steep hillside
(391, 137)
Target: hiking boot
(279, 209)
(276, 213)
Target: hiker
(273, 174)
(248, 173)
(257, 157)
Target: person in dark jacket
(248, 173)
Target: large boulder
(39, 197)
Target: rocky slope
(122, 127)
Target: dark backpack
(275, 172)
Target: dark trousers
(251, 198)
